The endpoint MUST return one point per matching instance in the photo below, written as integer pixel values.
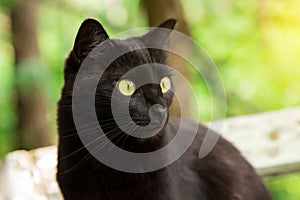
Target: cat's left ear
(160, 34)
(90, 34)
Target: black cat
(222, 175)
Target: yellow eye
(165, 84)
(126, 87)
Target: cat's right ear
(160, 34)
(90, 34)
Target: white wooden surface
(270, 141)
(30, 175)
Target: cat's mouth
(149, 126)
(157, 115)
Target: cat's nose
(157, 111)
(159, 108)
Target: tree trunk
(159, 11)
(32, 128)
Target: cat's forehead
(130, 44)
(138, 55)
(134, 48)
(134, 53)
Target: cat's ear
(90, 34)
(160, 34)
(168, 24)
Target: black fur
(222, 175)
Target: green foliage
(31, 75)
(247, 40)
(8, 3)
(7, 115)
(286, 188)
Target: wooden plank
(30, 175)
(270, 141)
(279, 170)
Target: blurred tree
(32, 128)
(159, 11)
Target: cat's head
(141, 99)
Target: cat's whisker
(66, 106)
(83, 147)
(114, 122)
(114, 145)
(79, 127)
(123, 142)
(87, 131)
(84, 132)
(123, 136)
(78, 164)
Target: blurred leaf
(32, 75)
(9, 3)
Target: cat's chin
(148, 131)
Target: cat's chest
(138, 193)
(175, 183)
(104, 183)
